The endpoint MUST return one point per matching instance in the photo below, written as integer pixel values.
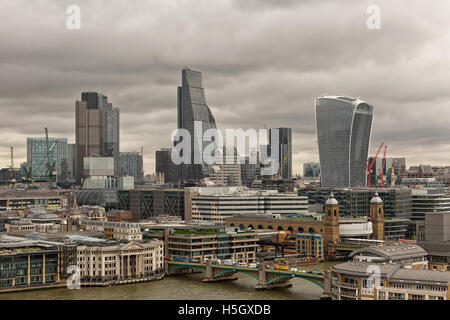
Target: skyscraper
(89, 131)
(131, 164)
(111, 134)
(97, 130)
(43, 155)
(343, 127)
(284, 145)
(192, 108)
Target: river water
(182, 287)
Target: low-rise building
(26, 264)
(358, 280)
(406, 254)
(434, 235)
(114, 230)
(21, 199)
(110, 263)
(215, 204)
(310, 245)
(211, 243)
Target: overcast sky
(263, 62)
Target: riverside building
(106, 263)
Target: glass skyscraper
(39, 162)
(284, 145)
(192, 107)
(343, 127)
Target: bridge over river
(265, 277)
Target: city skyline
(250, 82)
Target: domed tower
(376, 217)
(331, 224)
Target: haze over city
(263, 64)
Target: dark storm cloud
(263, 62)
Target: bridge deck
(297, 274)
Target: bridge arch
(270, 227)
(250, 226)
(280, 228)
(260, 227)
(311, 230)
(290, 229)
(300, 230)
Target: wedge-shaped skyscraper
(193, 109)
(343, 126)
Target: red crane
(383, 166)
(369, 166)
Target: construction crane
(49, 165)
(383, 166)
(282, 165)
(369, 166)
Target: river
(182, 287)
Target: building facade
(355, 282)
(31, 264)
(166, 170)
(132, 164)
(193, 110)
(215, 207)
(343, 131)
(46, 157)
(89, 135)
(434, 236)
(114, 262)
(311, 169)
(284, 145)
(211, 244)
(397, 202)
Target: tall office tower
(89, 131)
(45, 158)
(343, 127)
(284, 150)
(192, 108)
(111, 135)
(97, 130)
(131, 164)
(166, 170)
(71, 162)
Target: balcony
(345, 285)
(348, 294)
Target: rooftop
(395, 251)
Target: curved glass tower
(192, 108)
(343, 127)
